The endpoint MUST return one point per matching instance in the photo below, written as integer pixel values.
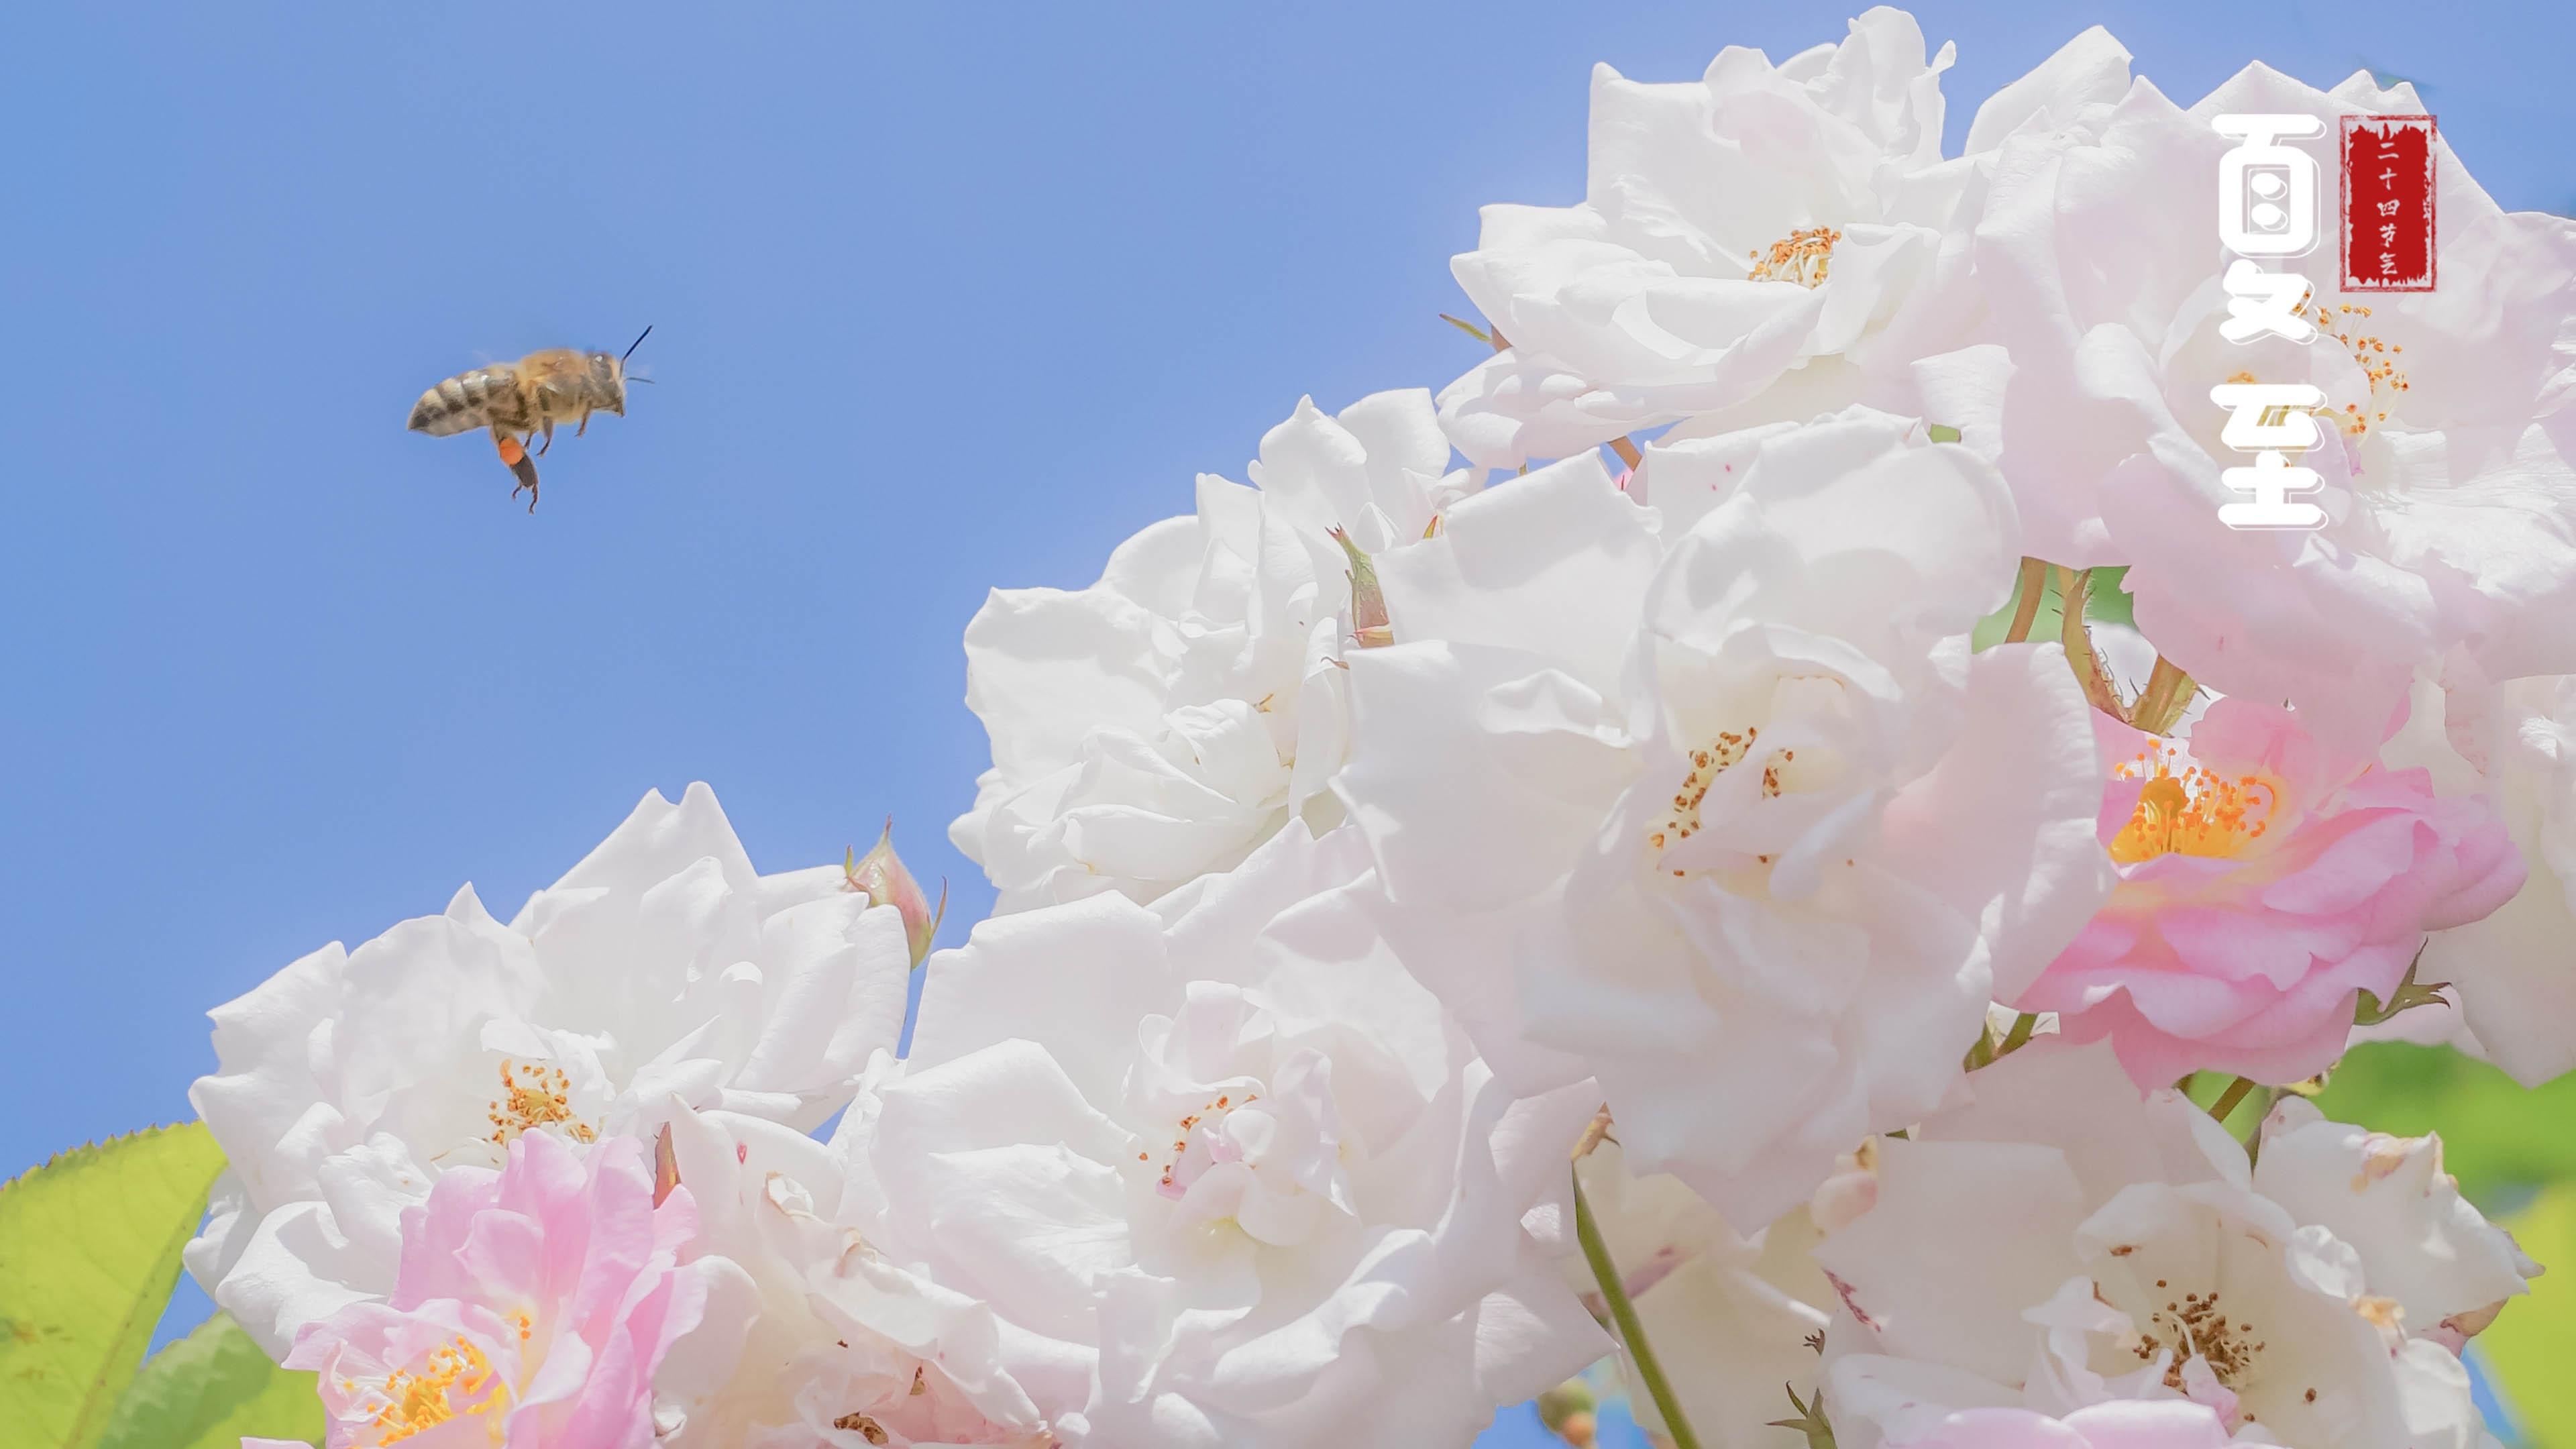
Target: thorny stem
(1632, 1332)
(2072, 587)
(2162, 702)
(2023, 1025)
(2228, 1099)
(2034, 574)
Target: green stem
(2166, 696)
(2023, 1025)
(1981, 1052)
(2034, 579)
(2074, 587)
(1632, 1331)
(2228, 1099)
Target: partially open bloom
(1223, 1173)
(881, 877)
(1166, 720)
(2266, 877)
(1737, 824)
(2096, 1249)
(533, 1307)
(660, 967)
(2515, 744)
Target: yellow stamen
(457, 1380)
(1803, 257)
(2197, 812)
(2378, 366)
(2193, 1325)
(1708, 762)
(532, 1097)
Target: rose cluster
(1665, 846)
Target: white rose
(1166, 720)
(1764, 232)
(2095, 1248)
(1751, 837)
(660, 967)
(1223, 1172)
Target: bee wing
(554, 362)
(557, 382)
(557, 394)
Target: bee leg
(550, 438)
(524, 468)
(585, 423)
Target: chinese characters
(2267, 209)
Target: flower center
(531, 1097)
(1197, 1145)
(2377, 359)
(2193, 1327)
(863, 1426)
(2197, 812)
(1801, 257)
(1708, 762)
(456, 1380)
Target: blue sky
(946, 297)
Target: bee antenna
(638, 342)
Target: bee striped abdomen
(485, 397)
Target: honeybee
(525, 399)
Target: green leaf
(2369, 1010)
(1811, 1420)
(2499, 1138)
(2108, 601)
(89, 1249)
(2531, 1345)
(209, 1390)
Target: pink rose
(530, 1311)
(2266, 876)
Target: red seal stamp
(2387, 204)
